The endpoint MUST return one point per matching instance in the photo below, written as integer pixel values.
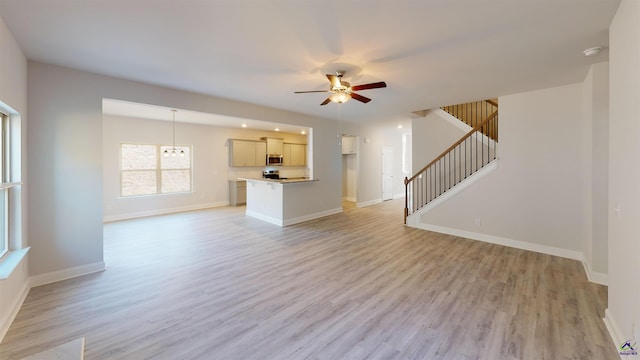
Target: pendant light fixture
(173, 151)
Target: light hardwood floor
(215, 284)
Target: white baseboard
(594, 276)
(398, 196)
(268, 219)
(292, 221)
(523, 245)
(613, 329)
(312, 216)
(154, 212)
(368, 203)
(5, 323)
(43, 279)
(65, 274)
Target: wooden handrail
(462, 112)
(444, 153)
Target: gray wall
(623, 313)
(13, 94)
(596, 166)
(211, 168)
(536, 194)
(65, 106)
(432, 135)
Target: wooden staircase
(472, 152)
(474, 112)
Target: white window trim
(16, 249)
(158, 170)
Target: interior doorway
(349, 171)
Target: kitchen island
(281, 201)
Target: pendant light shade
(173, 152)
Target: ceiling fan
(342, 91)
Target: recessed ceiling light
(400, 126)
(244, 125)
(592, 51)
(303, 132)
(277, 129)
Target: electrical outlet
(478, 221)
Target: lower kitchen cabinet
(237, 192)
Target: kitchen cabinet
(281, 202)
(237, 192)
(294, 154)
(275, 146)
(349, 144)
(247, 153)
(261, 153)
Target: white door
(387, 173)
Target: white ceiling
(154, 112)
(430, 53)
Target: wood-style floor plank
(215, 284)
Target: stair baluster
(469, 154)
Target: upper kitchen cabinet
(294, 154)
(274, 146)
(261, 153)
(247, 152)
(349, 144)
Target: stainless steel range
(271, 174)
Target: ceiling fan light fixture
(342, 91)
(340, 97)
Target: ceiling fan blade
(360, 98)
(375, 85)
(326, 102)
(335, 80)
(312, 91)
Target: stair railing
(466, 156)
(473, 113)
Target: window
(144, 171)
(5, 184)
(11, 246)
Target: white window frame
(5, 183)
(12, 250)
(158, 170)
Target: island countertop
(291, 180)
(282, 202)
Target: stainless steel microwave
(274, 159)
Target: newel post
(406, 199)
